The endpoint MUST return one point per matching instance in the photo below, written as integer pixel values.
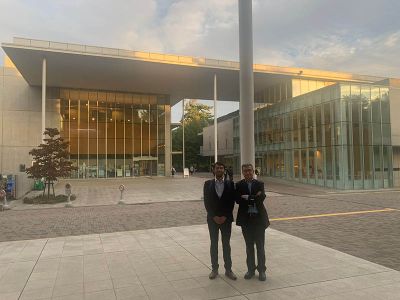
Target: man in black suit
(219, 200)
(253, 218)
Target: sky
(340, 35)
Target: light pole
(246, 107)
(183, 137)
(215, 120)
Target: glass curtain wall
(338, 136)
(114, 134)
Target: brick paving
(374, 237)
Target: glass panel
(338, 134)
(111, 135)
(92, 167)
(328, 135)
(386, 138)
(304, 163)
(356, 134)
(387, 159)
(377, 135)
(329, 163)
(311, 163)
(355, 111)
(319, 134)
(378, 165)
(375, 105)
(296, 163)
(368, 158)
(84, 136)
(338, 161)
(385, 106)
(296, 90)
(327, 113)
(357, 162)
(337, 106)
(102, 150)
(367, 134)
(355, 91)
(320, 163)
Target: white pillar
(215, 121)
(43, 97)
(246, 108)
(183, 137)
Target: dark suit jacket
(216, 206)
(243, 189)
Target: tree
(196, 117)
(50, 160)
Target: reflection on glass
(113, 134)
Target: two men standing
(220, 196)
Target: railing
(177, 59)
(189, 60)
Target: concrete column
(43, 98)
(215, 121)
(246, 108)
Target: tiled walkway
(173, 263)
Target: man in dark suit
(253, 218)
(219, 200)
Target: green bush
(51, 200)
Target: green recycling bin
(38, 185)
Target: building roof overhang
(89, 67)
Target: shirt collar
(217, 180)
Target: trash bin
(38, 185)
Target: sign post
(121, 198)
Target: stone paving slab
(173, 263)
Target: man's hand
(219, 220)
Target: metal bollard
(3, 194)
(68, 193)
(121, 198)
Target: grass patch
(51, 200)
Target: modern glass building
(337, 135)
(114, 107)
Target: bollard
(68, 193)
(121, 198)
(3, 194)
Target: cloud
(355, 36)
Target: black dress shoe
(230, 275)
(213, 274)
(262, 276)
(248, 275)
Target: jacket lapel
(225, 188)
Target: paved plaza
(173, 263)
(322, 244)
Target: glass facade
(114, 134)
(338, 136)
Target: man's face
(219, 171)
(248, 173)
